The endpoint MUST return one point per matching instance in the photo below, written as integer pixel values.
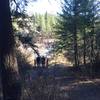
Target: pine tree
(67, 28)
(76, 29)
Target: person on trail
(46, 62)
(43, 61)
(38, 61)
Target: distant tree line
(45, 21)
(42, 23)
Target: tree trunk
(84, 52)
(75, 48)
(9, 70)
(75, 34)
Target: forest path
(75, 86)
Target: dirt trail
(75, 87)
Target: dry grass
(43, 88)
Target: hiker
(35, 63)
(38, 61)
(43, 61)
(46, 62)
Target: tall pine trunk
(8, 63)
(75, 47)
(84, 51)
(75, 33)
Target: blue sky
(41, 6)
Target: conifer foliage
(76, 30)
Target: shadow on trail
(66, 82)
(61, 73)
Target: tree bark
(75, 33)
(11, 83)
(75, 48)
(84, 52)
